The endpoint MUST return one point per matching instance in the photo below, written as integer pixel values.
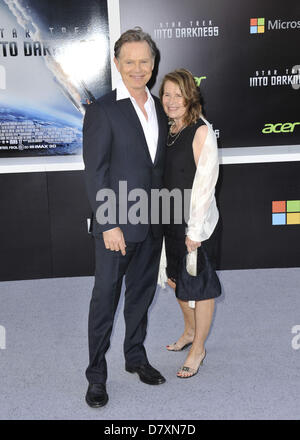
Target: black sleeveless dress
(179, 173)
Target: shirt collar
(123, 93)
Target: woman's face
(173, 101)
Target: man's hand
(114, 240)
(191, 245)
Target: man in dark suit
(124, 137)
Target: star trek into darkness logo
(186, 29)
(276, 77)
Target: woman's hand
(191, 245)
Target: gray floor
(251, 370)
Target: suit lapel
(160, 120)
(127, 108)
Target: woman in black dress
(191, 164)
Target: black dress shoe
(147, 374)
(96, 395)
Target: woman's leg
(189, 323)
(204, 311)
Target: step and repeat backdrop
(245, 58)
(243, 55)
(55, 60)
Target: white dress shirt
(150, 127)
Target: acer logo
(198, 80)
(287, 127)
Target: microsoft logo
(257, 25)
(286, 212)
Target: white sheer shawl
(203, 211)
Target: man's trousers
(140, 266)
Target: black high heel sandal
(180, 349)
(190, 370)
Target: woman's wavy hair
(190, 92)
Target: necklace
(175, 136)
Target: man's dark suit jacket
(115, 149)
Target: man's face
(135, 64)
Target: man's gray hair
(136, 34)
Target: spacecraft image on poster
(54, 60)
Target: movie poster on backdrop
(54, 60)
(243, 57)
